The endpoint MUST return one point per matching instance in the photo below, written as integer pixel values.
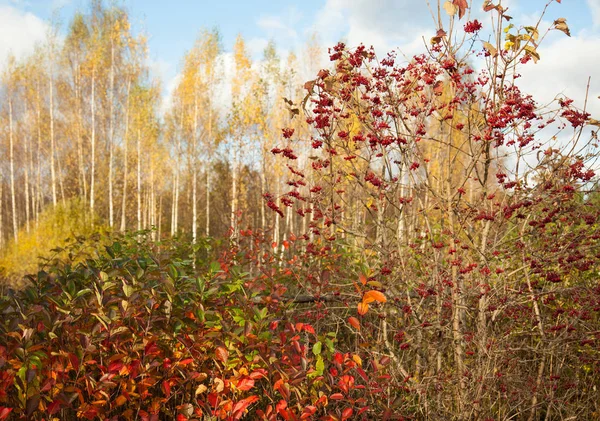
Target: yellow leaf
(357, 359)
(450, 8)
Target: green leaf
(317, 348)
(320, 366)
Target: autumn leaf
(488, 5)
(222, 354)
(347, 413)
(362, 278)
(490, 49)
(462, 7)
(450, 8)
(353, 321)
(561, 25)
(245, 384)
(200, 389)
(363, 308)
(532, 52)
(374, 295)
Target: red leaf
(245, 384)
(309, 329)
(222, 354)
(336, 396)
(347, 413)
(354, 322)
(186, 361)
(4, 412)
(308, 412)
(259, 373)
(181, 417)
(240, 407)
(167, 388)
(52, 408)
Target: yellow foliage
(56, 226)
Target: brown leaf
(438, 88)
(532, 52)
(462, 6)
(222, 354)
(594, 122)
(309, 85)
(561, 25)
(487, 6)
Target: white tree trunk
(93, 141)
(12, 171)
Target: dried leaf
(594, 122)
(490, 49)
(438, 36)
(462, 6)
(200, 389)
(487, 6)
(450, 8)
(561, 25)
(532, 52)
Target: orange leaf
(363, 308)
(354, 322)
(222, 354)
(362, 278)
(374, 295)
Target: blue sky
(172, 27)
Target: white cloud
(256, 47)
(275, 25)
(384, 24)
(19, 32)
(594, 6)
(564, 68)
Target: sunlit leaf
(374, 295)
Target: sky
(172, 26)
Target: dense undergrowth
(162, 331)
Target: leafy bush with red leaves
(148, 332)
